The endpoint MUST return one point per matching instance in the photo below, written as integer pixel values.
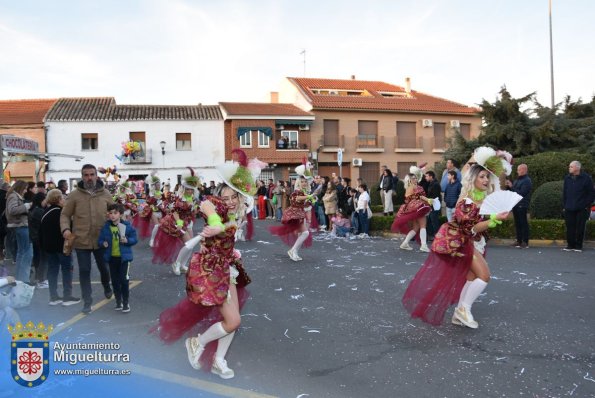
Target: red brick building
(24, 118)
(278, 134)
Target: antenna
(304, 54)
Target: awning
(298, 122)
(30, 156)
(266, 130)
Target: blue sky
(191, 51)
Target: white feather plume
(227, 169)
(482, 154)
(416, 171)
(507, 167)
(255, 166)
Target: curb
(504, 242)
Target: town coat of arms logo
(30, 353)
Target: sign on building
(11, 143)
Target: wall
(207, 144)
(348, 129)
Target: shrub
(399, 194)
(381, 223)
(377, 208)
(546, 202)
(552, 166)
(374, 195)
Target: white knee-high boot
(223, 345)
(463, 293)
(299, 242)
(214, 332)
(409, 236)
(153, 234)
(463, 311)
(220, 367)
(475, 288)
(423, 236)
(196, 345)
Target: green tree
(507, 126)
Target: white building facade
(171, 138)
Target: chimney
(274, 97)
(352, 77)
(408, 85)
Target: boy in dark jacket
(117, 237)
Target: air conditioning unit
(426, 122)
(305, 127)
(454, 123)
(357, 162)
(280, 127)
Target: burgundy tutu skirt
(289, 231)
(166, 248)
(402, 222)
(142, 225)
(437, 285)
(313, 219)
(191, 319)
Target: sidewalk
(588, 244)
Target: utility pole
(551, 57)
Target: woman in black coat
(52, 243)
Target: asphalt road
(333, 326)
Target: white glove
(28, 205)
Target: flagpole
(304, 54)
(551, 57)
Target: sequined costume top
(208, 277)
(186, 211)
(453, 236)
(295, 212)
(413, 202)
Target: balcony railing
(369, 143)
(333, 143)
(142, 158)
(295, 145)
(404, 145)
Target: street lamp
(162, 144)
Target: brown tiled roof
(28, 111)
(374, 101)
(262, 109)
(105, 109)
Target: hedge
(546, 202)
(540, 229)
(552, 166)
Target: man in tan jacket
(86, 211)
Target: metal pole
(551, 55)
(304, 54)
